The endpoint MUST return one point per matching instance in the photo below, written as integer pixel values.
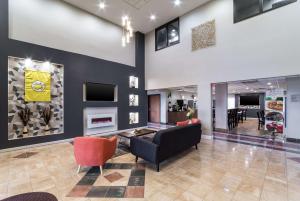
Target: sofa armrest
(144, 149)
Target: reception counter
(174, 117)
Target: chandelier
(127, 31)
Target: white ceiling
(139, 11)
(257, 86)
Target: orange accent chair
(187, 122)
(92, 151)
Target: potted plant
(190, 114)
(47, 115)
(24, 115)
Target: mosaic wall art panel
(204, 36)
(16, 100)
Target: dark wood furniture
(174, 117)
(235, 116)
(261, 119)
(126, 136)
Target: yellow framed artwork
(37, 86)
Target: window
(167, 35)
(250, 8)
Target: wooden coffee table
(125, 136)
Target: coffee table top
(140, 132)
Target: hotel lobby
(111, 100)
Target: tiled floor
(218, 171)
(250, 127)
(120, 180)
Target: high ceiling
(257, 86)
(139, 11)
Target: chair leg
(78, 169)
(157, 167)
(136, 159)
(101, 170)
(196, 146)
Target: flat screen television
(99, 92)
(249, 100)
(180, 103)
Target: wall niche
(35, 88)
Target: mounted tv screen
(99, 92)
(249, 100)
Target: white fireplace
(100, 120)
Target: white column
(221, 105)
(204, 107)
(293, 108)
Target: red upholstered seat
(187, 122)
(92, 151)
(196, 121)
(182, 123)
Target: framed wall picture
(37, 86)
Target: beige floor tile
(216, 171)
(188, 196)
(273, 196)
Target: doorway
(154, 108)
(257, 108)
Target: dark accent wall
(252, 113)
(77, 70)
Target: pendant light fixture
(127, 31)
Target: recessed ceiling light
(102, 5)
(152, 17)
(269, 83)
(177, 2)
(247, 88)
(271, 86)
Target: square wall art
(35, 93)
(204, 35)
(37, 86)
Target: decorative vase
(25, 130)
(47, 128)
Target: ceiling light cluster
(127, 30)
(126, 23)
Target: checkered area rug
(119, 180)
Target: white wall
(55, 24)
(221, 106)
(293, 108)
(264, 46)
(231, 101)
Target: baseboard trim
(35, 145)
(294, 140)
(65, 140)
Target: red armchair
(92, 151)
(187, 122)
